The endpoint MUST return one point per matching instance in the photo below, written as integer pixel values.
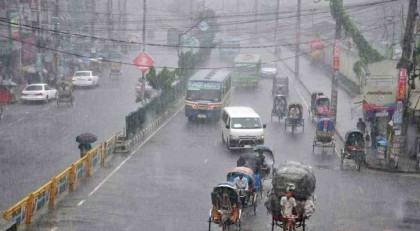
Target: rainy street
(165, 182)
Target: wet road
(165, 184)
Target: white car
(84, 79)
(38, 92)
(269, 69)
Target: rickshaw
(226, 210)
(324, 135)
(294, 118)
(300, 179)
(115, 72)
(249, 198)
(279, 107)
(354, 148)
(320, 106)
(280, 86)
(261, 165)
(65, 93)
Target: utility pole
(405, 65)
(336, 65)
(255, 18)
(57, 37)
(143, 85)
(109, 8)
(276, 43)
(297, 39)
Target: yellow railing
(38, 201)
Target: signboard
(402, 84)
(378, 97)
(143, 61)
(195, 85)
(13, 16)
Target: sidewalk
(347, 113)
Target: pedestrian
(84, 148)
(367, 139)
(373, 134)
(361, 125)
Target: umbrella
(315, 42)
(32, 69)
(86, 138)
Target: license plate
(201, 116)
(247, 146)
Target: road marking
(20, 119)
(81, 202)
(361, 190)
(132, 153)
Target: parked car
(269, 69)
(84, 79)
(38, 92)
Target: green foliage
(366, 52)
(163, 80)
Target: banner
(13, 16)
(402, 84)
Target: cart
(249, 198)
(65, 93)
(225, 210)
(280, 86)
(324, 135)
(279, 107)
(294, 118)
(320, 106)
(301, 178)
(354, 148)
(115, 72)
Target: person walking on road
(361, 125)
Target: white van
(241, 128)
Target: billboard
(379, 97)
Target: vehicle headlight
(231, 137)
(260, 137)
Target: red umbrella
(316, 42)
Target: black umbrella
(86, 138)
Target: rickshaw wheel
(209, 223)
(254, 204)
(358, 163)
(272, 224)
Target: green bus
(208, 92)
(247, 70)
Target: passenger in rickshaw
(354, 140)
(294, 113)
